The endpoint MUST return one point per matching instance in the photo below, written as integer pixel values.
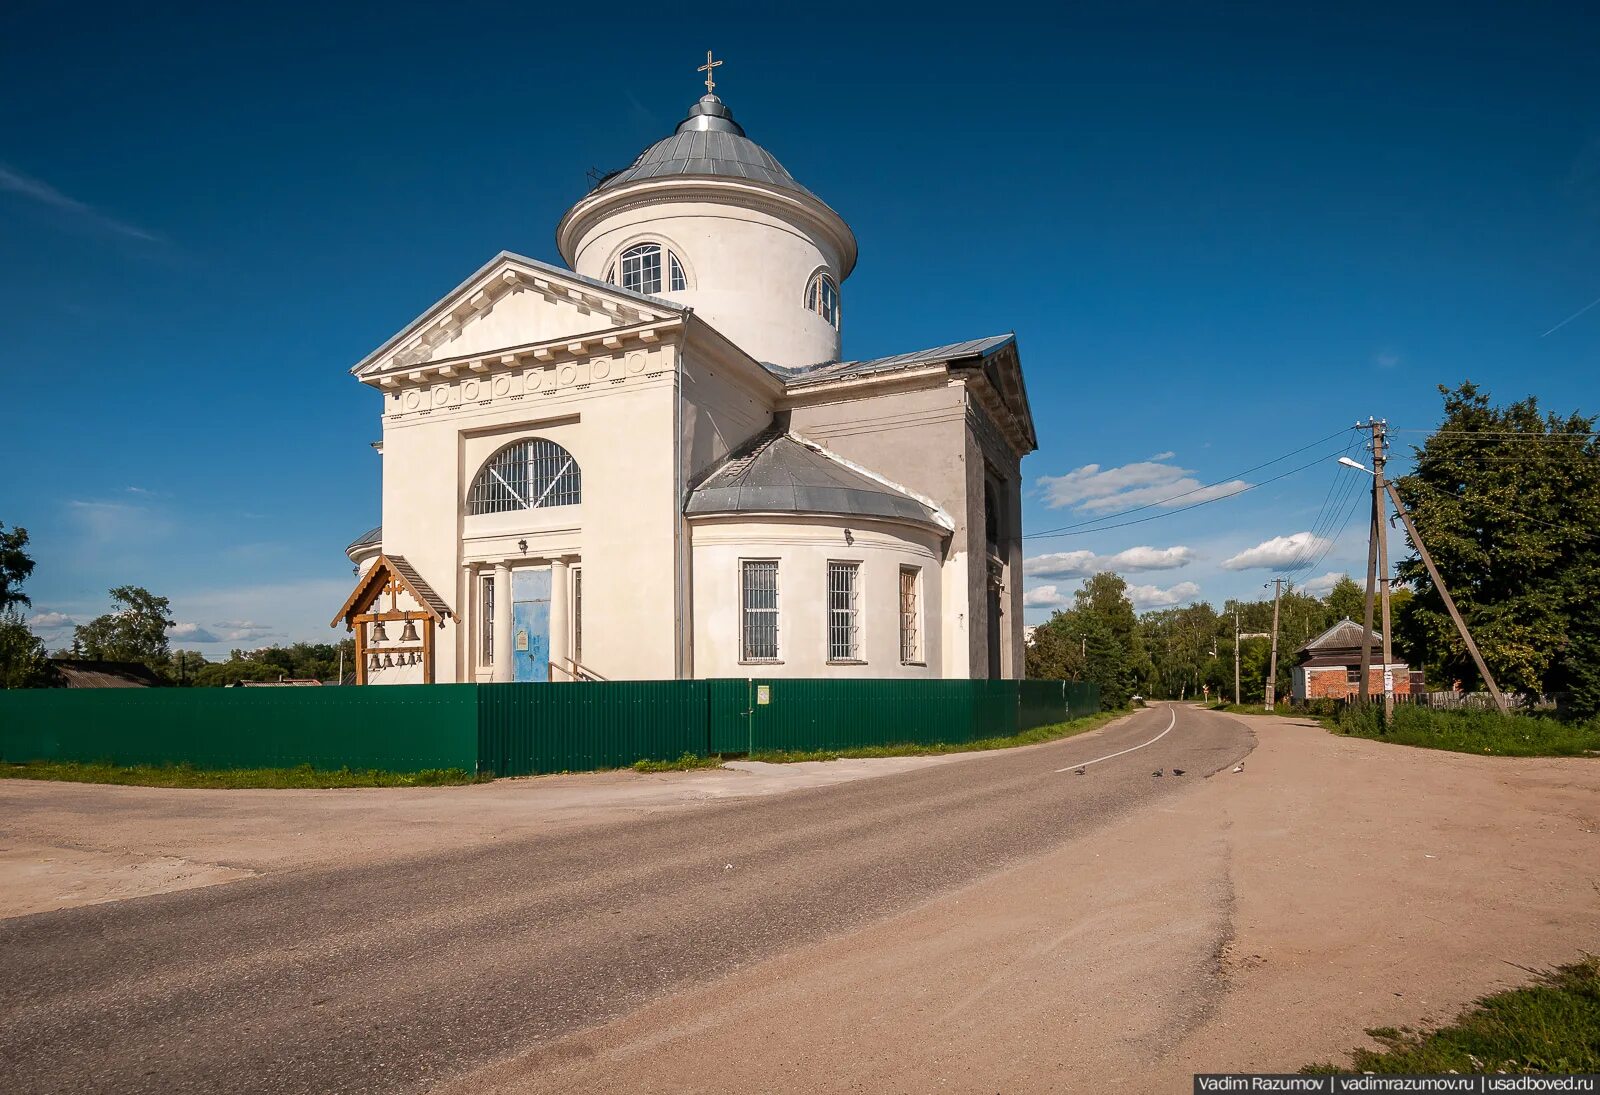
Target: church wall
(803, 546)
(615, 415)
(747, 272)
(720, 412)
(915, 436)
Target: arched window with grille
(647, 268)
(822, 297)
(532, 474)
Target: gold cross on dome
(706, 68)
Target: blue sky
(1219, 234)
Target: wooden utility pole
(1449, 602)
(1373, 533)
(1272, 671)
(1236, 700)
(1380, 503)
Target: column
(560, 624)
(502, 622)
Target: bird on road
(1177, 771)
(1240, 768)
(1078, 772)
(1157, 772)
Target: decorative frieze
(469, 390)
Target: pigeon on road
(1177, 771)
(1157, 772)
(1240, 768)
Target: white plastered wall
(803, 546)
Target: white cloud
(42, 192)
(1146, 482)
(1155, 597)
(1320, 585)
(1280, 551)
(1045, 597)
(1081, 564)
(1386, 359)
(1164, 456)
(182, 633)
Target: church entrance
(530, 625)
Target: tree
(135, 630)
(1346, 600)
(1096, 640)
(1508, 502)
(23, 662)
(15, 566)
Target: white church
(653, 463)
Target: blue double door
(530, 625)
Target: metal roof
(366, 539)
(778, 472)
(833, 370)
(1344, 635)
(707, 142)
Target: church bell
(379, 635)
(409, 635)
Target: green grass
(1253, 709)
(1035, 736)
(1552, 1025)
(686, 762)
(1481, 732)
(183, 775)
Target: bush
(1472, 731)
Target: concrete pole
(1364, 692)
(1380, 502)
(1272, 672)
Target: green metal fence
(529, 729)
(394, 729)
(517, 729)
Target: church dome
(707, 142)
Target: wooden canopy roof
(392, 568)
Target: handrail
(574, 669)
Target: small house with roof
(654, 462)
(1329, 666)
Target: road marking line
(1113, 756)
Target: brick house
(1329, 666)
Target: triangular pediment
(512, 301)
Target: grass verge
(1035, 736)
(686, 762)
(1482, 732)
(183, 775)
(1552, 1025)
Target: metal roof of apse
(830, 370)
(780, 473)
(707, 142)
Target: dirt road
(995, 924)
(398, 975)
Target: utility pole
(1236, 700)
(1272, 673)
(1374, 536)
(1449, 602)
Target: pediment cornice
(504, 275)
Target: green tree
(1508, 501)
(23, 662)
(135, 630)
(1346, 600)
(15, 567)
(1097, 639)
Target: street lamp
(1356, 464)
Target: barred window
(822, 297)
(759, 593)
(532, 474)
(843, 628)
(910, 622)
(486, 631)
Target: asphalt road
(395, 977)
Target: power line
(1204, 486)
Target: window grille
(760, 599)
(910, 632)
(822, 297)
(486, 630)
(843, 579)
(533, 474)
(676, 281)
(577, 615)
